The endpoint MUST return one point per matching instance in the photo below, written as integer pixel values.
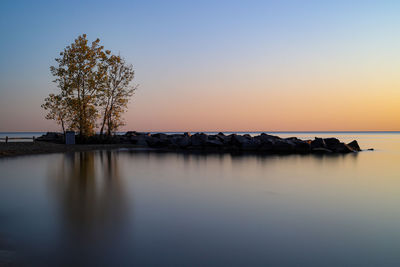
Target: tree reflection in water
(92, 205)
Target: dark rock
(321, 150)
(157, 142)
(267, 147)
(213, 143)
(342, 148)
(284, 146)
(131, 133)
(51, 137)
(212, 137)
(225, 139)
(239, 140)
(182, 142)
(354, 145)
(267, 138)
(302, 146)
(160, 135)
(268, 142)
(292, 139)
(252, 144)
(132, 138)
(318, 143)
(140, 140)
(333, 144)
(198, 139)
(264, 143)
(134, 133)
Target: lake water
(125, 208)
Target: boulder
(182, 142)
(284, 146)
(318, 143)
(134, 133)
(342, 148)
(213, 143)
(212, 137)
(160, 135)
(198, 139)
(354, 145)
(321, 150)
(332, 143)
(131, 133)
(157, 142)
(302, 146)
(239, 140)
(140, 140)
(252, 144)
(233, 142)
(266, 146)
(225, 139)
(266, 138)
(51, 137)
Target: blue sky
(187, 53)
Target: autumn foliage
(94, 89)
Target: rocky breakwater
(263, 143)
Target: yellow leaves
(91, 81)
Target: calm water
(124, 208)
(19, 135)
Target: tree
(92, 83)
(116, 93)
(81, 74)
(57, 110)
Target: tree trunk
(62, 125)
(63, 128)
(104, 120)
(109, 120)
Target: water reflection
(135, 208)
(92, 206)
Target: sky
(216, 65)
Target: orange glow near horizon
(288, 106)
(265, 66)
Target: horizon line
(249, 131)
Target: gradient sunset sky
(216, 65)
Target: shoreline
(17, 149)
(14, 149)
(183, 143)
